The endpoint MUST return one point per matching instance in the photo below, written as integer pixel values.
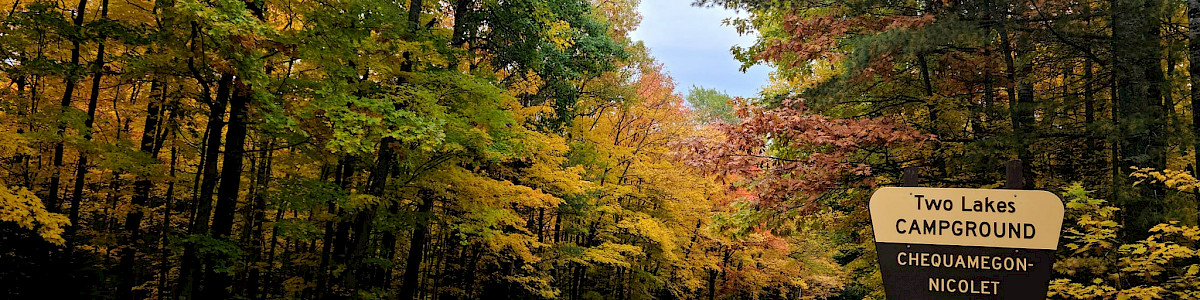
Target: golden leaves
(1153, 268)
(1178, 180)
(1065, 288)
(561, 34)
(14, 143)
(22, 207)
(612, 254)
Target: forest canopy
(531, 149)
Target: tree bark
(1020, 103)
(81, 168)
(416, 248)
(362, 221)
(231, 181)
(141, 189)
(190, 270)
(344, 171)
(1193, 13)
(1138, 74)
(51, 199)
(165, 263)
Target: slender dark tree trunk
(212, 152)
(1139, 75)
(462, 10)
(231, 180)
(344, 172)
(164, 272)
(23, 113)
(252, 235)
(416, 248)
(1020, 107)
(141, 192)
(387, 251)
(191, 267)
(81, 168)
(51, 199)
(1193, 13)
(362, 221)
(384, 163)
(1089, 107)
(939, 162)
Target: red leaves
(789, 156)
(817, 37)
(811, 38)
(894, 22)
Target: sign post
(939, 243)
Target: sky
(693, 45)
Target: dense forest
(530, 149)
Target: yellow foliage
(561, 34)
(1142, 293)
(358, 202)
(1153, 268)
(612, 254)
(296, 285)
(1065, 289)
(22, 207)
(1174, 179)
(528, 84)
(653, 230)
(13, 143)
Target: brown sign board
(939, 243)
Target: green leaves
(305, 194)
(226, 254)
(711, 105)
(558, 40)
(223, 18)
(359, 123)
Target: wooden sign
(936, 243)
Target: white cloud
(693, 44)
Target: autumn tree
(711, 105)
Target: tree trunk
(1138, 73)
(1020, 104)
(385, 161)
(81, 168)
(165, 263)
(938, 157)
(231, 180)
(416, 248)
(362, 221)
(343, 172)
(252, 235)
(190, 270)
(1089, 107)
(141, 191)
(1193, 13)
(64, 105)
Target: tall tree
(1138, 73)
(711, 105)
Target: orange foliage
(816, 38)
(818, 152)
